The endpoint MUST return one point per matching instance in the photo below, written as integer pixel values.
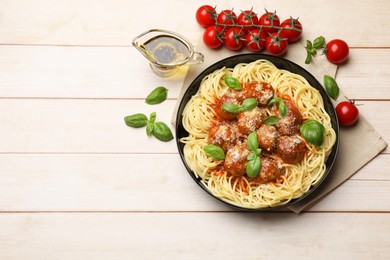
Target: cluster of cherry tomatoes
(247, 29)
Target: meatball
(267, 136)
(249, 121)
(229, 98)
(271, 169)
(262, 91)
(290, 149)
(236, 159)
(290, 124)
(224, 135)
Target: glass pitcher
(166, 51)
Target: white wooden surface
(76, 183)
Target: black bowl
(280, 63)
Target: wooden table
(77, 183)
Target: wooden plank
(147, 182)
(97, 126)
(109, 23)
(120, 72)
(194, 235)
(79, 126)
(78, 72)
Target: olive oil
(166, 50)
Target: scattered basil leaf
(271, 120)
(214, 151)
(252, 142)
(157, 96)
(309, 51)
(249, 104)
(162, 132)
(233, 83)
(136, 120)
(313, 132)
(258, 151)
(318, 42)
(253, 167)
(282, 108)
(232, 108)
(152, 117)
(331, 87)
(149, 128)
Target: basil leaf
(214, 151)
(309, 51)
(162, 132)
(282, 108)
(149, 128)
(152, 117)
(233, 83)
(258, 151)
(252, 143)
(231, 108)
(136, 120)
(274, 101)
(319, 42)
(331, 87)
(270, 120)
(157, 96)
(253, 167)
(313, 132)
(249, 104)
(251, 156)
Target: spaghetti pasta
(296, 178)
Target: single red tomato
(337, 51)
(255, 40)
(233, 38)
(292, 29)
(212, 37)
(347, 113)
(269, 19)
(227, 17)
(276, 43)
(247, 19)
(206, 15)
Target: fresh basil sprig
(157, 96)
(313, 132)
(282, 106)
(253, 166)
(247, 105)
(311, 48)
(233, 83)
(158, 129)
(214, 151)
(331, 87)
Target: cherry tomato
(233, 38)
(206, 15)
(227, 17)
(276, 43)
(347, 113)
(269, 19)
(255, 40)
(291, 23)
(212, 36)
(247, 19)
(337, 51)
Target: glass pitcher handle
(196, 58)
